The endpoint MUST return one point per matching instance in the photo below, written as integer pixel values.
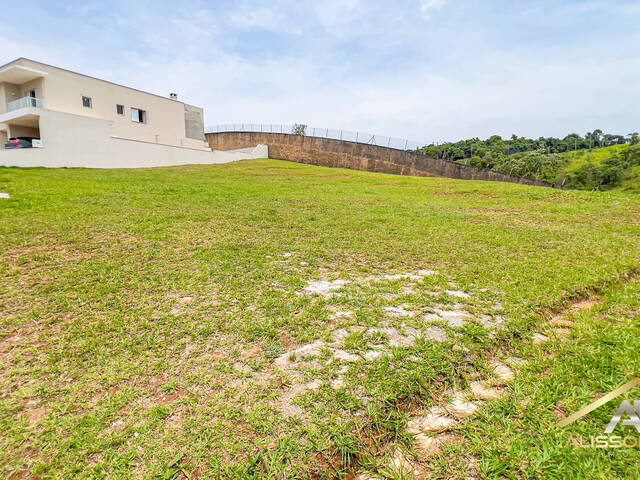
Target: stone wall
(357, 156)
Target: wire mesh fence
(345, 135)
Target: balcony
(24, 111)
(24, 102)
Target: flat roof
(93, 78)
(19, 74)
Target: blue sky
(427, 70)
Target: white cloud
(429, 6)
(272, 18)
(359, 67)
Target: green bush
(536, 165)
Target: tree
(299, 129)
(595, 138)
(574, 142)
(609, 140)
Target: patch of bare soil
(35, 415)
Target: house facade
(78, 120)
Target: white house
(81, 121)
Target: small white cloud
(429, 6)
(274, 19)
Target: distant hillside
(604, 168)
(617, 166)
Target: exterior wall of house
(3, 97)
(8, 93)
(77, 141)
(24, 89)
(62, 91)
(22, 131)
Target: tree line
(574, 161)
(496, 145)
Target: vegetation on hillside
(596, 161)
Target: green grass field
(161, 323)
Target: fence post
(327, 134)
(356, 137)
(406, 144)
(340, 135)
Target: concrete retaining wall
(122, 153)
(357, 156)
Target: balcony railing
(24, 102)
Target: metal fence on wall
(346, 135)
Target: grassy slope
(135, 382)
(517, 436)
(632, 183)
(596, 156)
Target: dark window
(86, 102)
(138, 116)
(120, 109)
